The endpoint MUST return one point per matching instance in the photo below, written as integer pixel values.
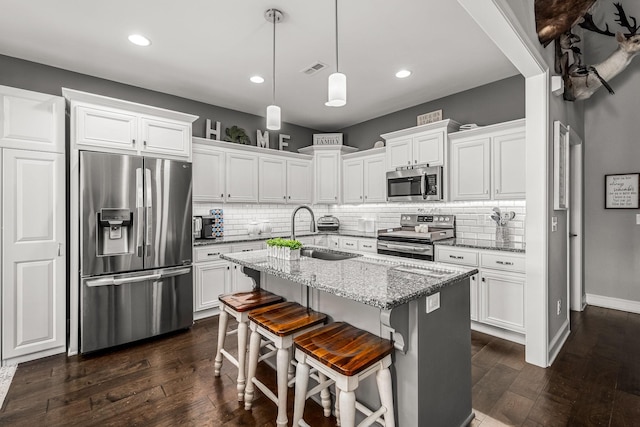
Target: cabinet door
(208, 175)
(502, 300)
(473, 291)
(165, 137)
(429, 149)
(31, 120)
(210, 280)
(241, 177)
(399, 153)
(327, 175)
(106, 128)
(375, 180)
(470, 170)
(368, 245)
(509, 166)
(34, 272)
(352, 181)
(299, 181)
(272, 182)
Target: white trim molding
(558, 341)
(614, 303)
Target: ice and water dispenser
(115, 232)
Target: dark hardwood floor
(169, 381)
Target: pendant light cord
(337, 68)
(273, 11)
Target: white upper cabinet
(423, 144)
(100, 123)
(327, 170)
(489, 162)
(364, 177)
(242, 177)
(273, 180)
(31, 120)
(208, 173)
(299, 181)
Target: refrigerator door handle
(139, 212)
(108, 281)
(148, 204)
(174, 273)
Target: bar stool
(238, 305)
(345, 355)
(280, 324)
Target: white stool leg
(291, 371)
(383, 378)
(254, 352)
(282, 373)
(337, 406)
(242, 356)
(302, 381)
(325, 397)
(222, 334)
(347, 408)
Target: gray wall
(612, 146)
(496, 102)
(42, 78)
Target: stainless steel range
(415, 236)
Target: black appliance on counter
(415, 236)
(328, 223)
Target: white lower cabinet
(213, 276)
(368, 245)
(349, 243)
(497, 291)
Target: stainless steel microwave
(415, 185)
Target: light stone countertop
(258, 237)
(381, 281)
(493, 245)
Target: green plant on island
(286, 243)
(237, 135)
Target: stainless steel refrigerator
(136, 252)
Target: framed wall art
(621, 191)
(560, 166)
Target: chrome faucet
(293, 220)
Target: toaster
(328, 223)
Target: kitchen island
(388, 296)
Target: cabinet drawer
(368, 245)
(456, 256)
(209, 252)
(247, 247)
(348, 243)
(500, 261)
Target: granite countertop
(258, 237)
(381, 281)
(484, 244)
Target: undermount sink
(327, 256)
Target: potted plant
(237, 135)
(288, 249)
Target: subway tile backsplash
(473, 218)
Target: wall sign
(327, 139)
(621, 191)
(433, 116)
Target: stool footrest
(317, 389)
(371, 416)
(272, 352)
(232, 332)
(265, 390)
(230, 357)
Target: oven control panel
(409, 220)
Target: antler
(588, 24)
(624, 22)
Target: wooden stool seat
(344, 355)
(238, 305)
(246, 301)
(279, 324)
(344, 348)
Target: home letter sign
(213, 132)
(282, 143)
(262, 140)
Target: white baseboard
(498, 332)
(558, 341)
(614, 303)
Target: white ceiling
(206, 50)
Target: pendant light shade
(337, 80)
(273, 111)
(337, 90)
(273, 117)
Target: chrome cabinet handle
(415, 161)
(483, 279)
(222, 195)
(213, 254)
(59, 249)
(456, 257)
(133, 141)
(145, 143)
(284, 197)
(504, 262)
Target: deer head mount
(580, 80)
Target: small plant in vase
(237, 135)
(288, 249)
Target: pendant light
(337, 80)
(273, 111)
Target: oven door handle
(423, 185)
(401, 247)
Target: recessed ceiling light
(403, 73)
(139, 40)
(257, 79)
